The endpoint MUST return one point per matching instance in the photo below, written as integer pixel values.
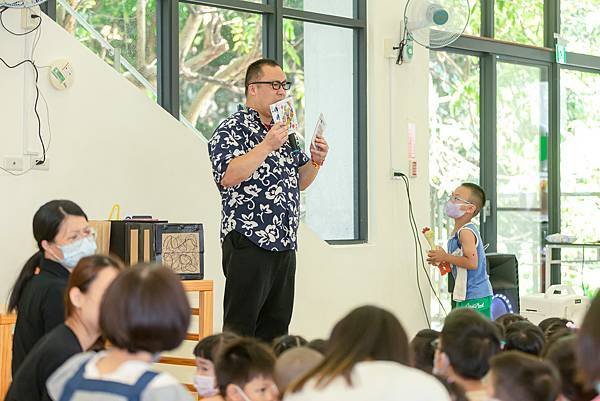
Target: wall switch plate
(13, 163)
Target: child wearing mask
(205, 352)
(466, 252)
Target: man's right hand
(276, 137)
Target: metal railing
(118, 60)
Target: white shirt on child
(376, 381)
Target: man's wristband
(315, 164)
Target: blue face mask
(453, 210)
(75, 251)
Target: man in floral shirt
(260, 176)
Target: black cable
(22, 33)
(35, 69)
(416, 228)
(37, 97)
(418, 247)
(414, 222)
(415, 240)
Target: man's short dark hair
(242, 361)
(477, 195)
(254, 70)
(145, 309)
(469, 340)
(525, 337)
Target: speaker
(503, 270)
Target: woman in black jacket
(63, 236)
(78, 333)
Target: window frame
(273, 13)
(492, 51)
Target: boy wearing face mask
(466, 252)
(205, 352)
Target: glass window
(454, 142)
(474, 26)
(319, 60)
(580, 175)
(120, 26)
(520, 21)
(342, 8)
(522, 175)
(216, 46)
(580, 25)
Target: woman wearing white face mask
(63, 236)
(79, 332)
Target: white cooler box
(558, 301)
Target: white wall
(110, 144)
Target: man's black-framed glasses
(274, 84)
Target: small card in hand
(319, 129)
(284, 112)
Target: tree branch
(230, 72)
(189, 31)
(140, 44)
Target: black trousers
(259, 288)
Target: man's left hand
(319, 152)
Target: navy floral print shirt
(265, 207)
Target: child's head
(206, 352)
(285, 342)
(509, 318)
(422, 349)
(552, 325)
(467, 342)
(293, 364)
(245, 370)
(562, 354)
(515, 376)
(466, 201)
(145, 309)
(525, 337)
(366, 333)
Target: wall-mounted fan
(434, 23)
(21, 3)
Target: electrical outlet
(13, 163)
(27, 17)
(397, 174)
(45, 166)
